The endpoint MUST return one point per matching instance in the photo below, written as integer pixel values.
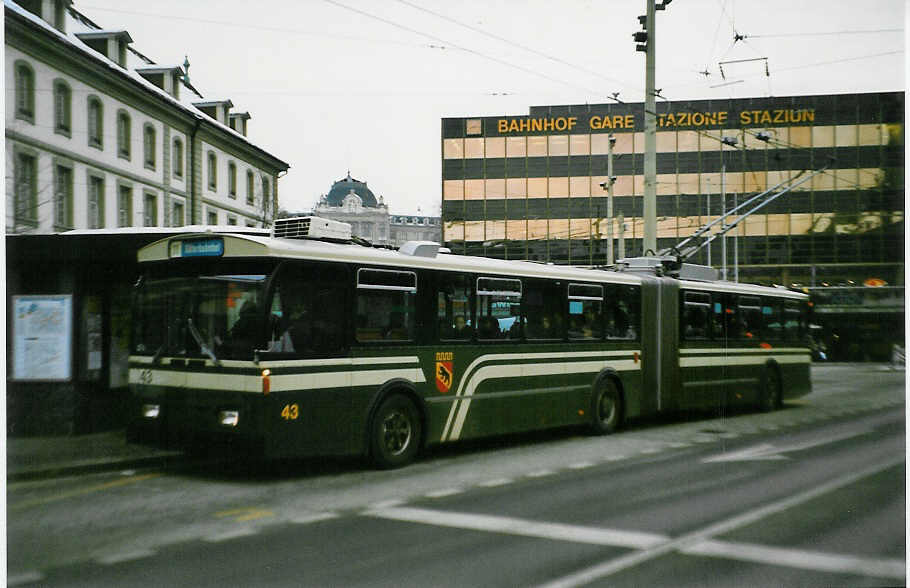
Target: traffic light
(641, 37)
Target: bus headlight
(151, 411)
(229, 418)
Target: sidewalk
(45, 457)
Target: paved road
(812, 495)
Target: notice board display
(42, 337)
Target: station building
(350, 200)
(530, 187)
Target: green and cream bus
(307, 342)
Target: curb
(87, 467)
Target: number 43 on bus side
(290, 412)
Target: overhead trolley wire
(460, 48)
(518, 45)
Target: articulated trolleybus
(310, 342)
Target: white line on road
(24, 578)
(388, 503)
(613, 566)
(234, 534)
(541, 474)
(116, 558)
(444, 492)
(495, 482)
(314, 518)
(522, 527)
(800, 559)
(767, 451)
(581, 465)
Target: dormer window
(216, 109)
(111, 44)
(166, 78)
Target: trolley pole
(622, 235)
(650, 168)
(610, 142)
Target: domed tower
(351, 201)
(345, 186)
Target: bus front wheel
(606, 408)
(394, 433)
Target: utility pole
(646, 42)
(723, 211)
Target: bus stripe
(720, 360)
(475, 374)
(280, 383)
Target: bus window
(774, 328)
(717, 316)
(585, 312)
(696, 316)
(498, 308)
(453, 307)
(386, 305)
(543, 304)
(307, 315)
(750, 317)
(793, 321)
(622, 311)
(734, 326)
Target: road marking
(388, 503)
(495, 482)
(609, 567)
(24, 578)
(521, 527)
(541, 474)
(233, 534)
(245, 514)
(48, 499)
(581, 465)
(800, 559)
(122, 557)
(444, 492)
(767, 451)
(314, 518)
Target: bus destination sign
(202, 248)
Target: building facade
(351, 201)
(531, 186)
(98, 136)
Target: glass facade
(529, 187)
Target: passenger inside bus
(462, 330)
(488, 328)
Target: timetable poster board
(42, 337)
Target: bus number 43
(290, 412)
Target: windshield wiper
(199, 341)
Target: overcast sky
(361, 85)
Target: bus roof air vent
(311, 227)
(419, 249)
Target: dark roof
(343, 187)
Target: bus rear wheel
(394, 433)
(606, 408)
(771, 393)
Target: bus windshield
(217, 316)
